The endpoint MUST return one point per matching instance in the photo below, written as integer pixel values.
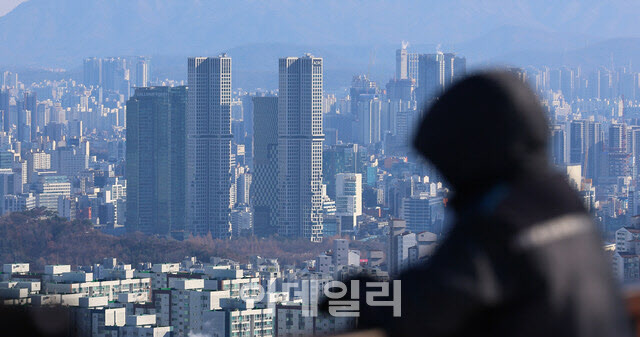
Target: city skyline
(497, 41)
(219, 169)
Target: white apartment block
(240, 318)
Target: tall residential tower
(265, 161)
(300, 138)
(437, 72)
(209, 175)
(156, 165)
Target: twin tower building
(179, 163)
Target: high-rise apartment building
(300, 137)
(567, 85)
(420, 212)
(620, 160)
(50, 188)
(264, 194)
(629, 85)
(406, 64)
(117, 73)
(633, 147)
(576, 142)
(209, 176)
(618, 137)
(31, 108)
(402, 63)
(92, 71)
(455, 69)
(594, 147)
(368, 112)
(400, 241)
(348, 200)
(37, 161)
(5, 107)
(24, 114)
(341, 158)
(586, 146)
(412, 66)
(141, 74)
(431, 69)
(156, 160)
(558, 145)
(362, 89)
(69, 160)
(401, 90)
(555, 79)
(436, 73)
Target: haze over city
(352, 37)
(217, 168)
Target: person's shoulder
(538, 199)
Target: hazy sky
(7, 5)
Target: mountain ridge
(354, 37)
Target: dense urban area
(173, 208)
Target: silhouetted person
(523, 257)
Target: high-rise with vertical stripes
(437, 72)
(209, 178)
(265, 161)
(156, 161)
(300, 138)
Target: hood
(489, 128)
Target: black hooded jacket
(523, 257)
